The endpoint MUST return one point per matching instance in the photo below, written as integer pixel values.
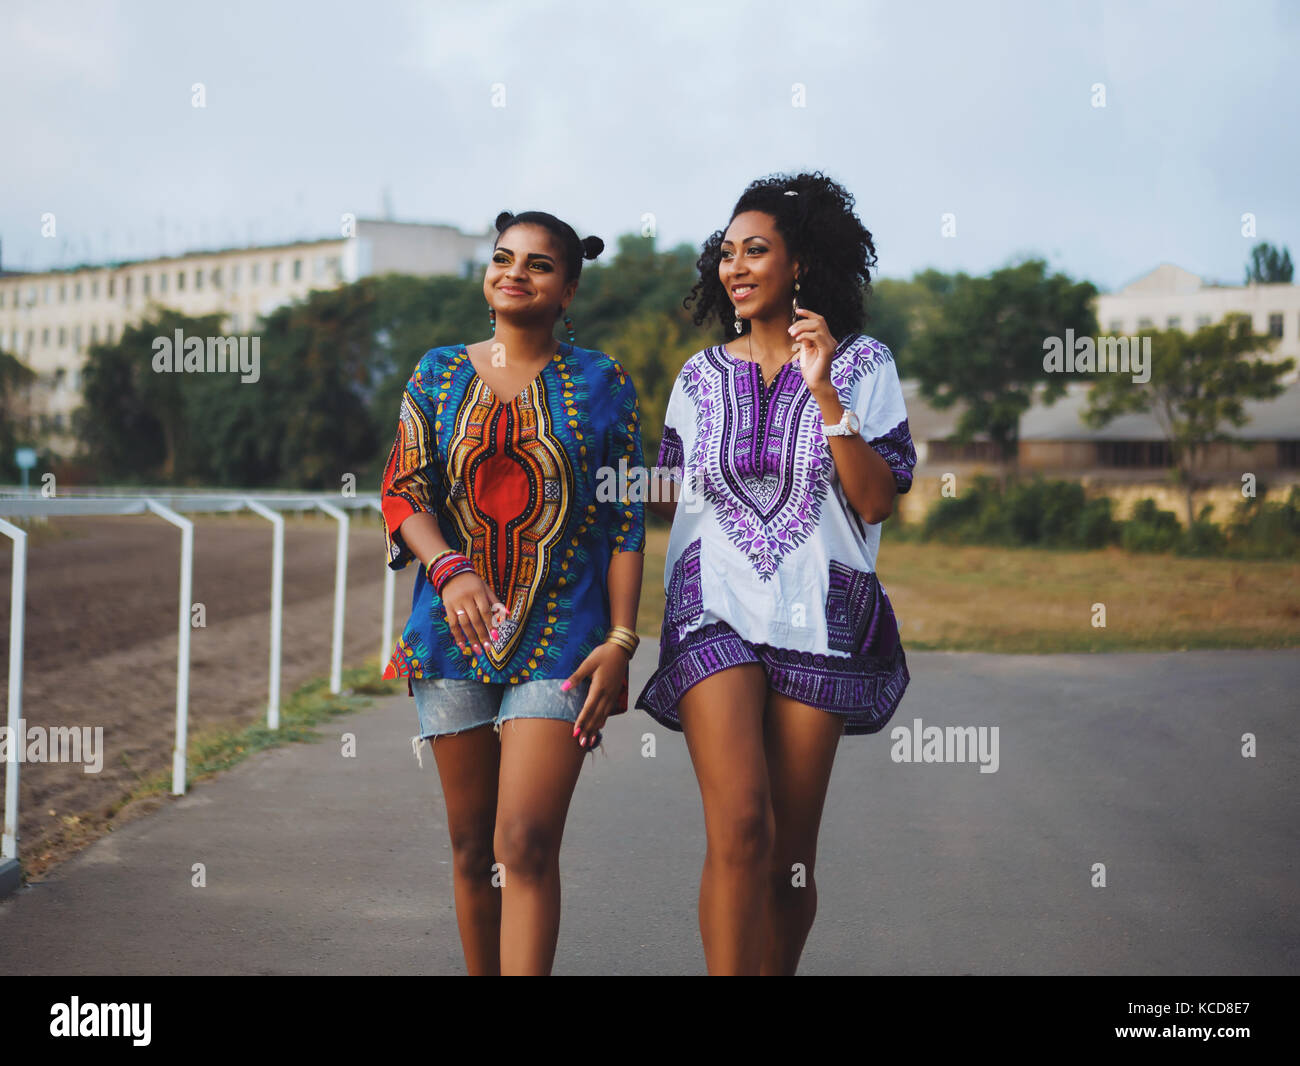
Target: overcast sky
(613, 111)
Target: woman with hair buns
(791, 437)
(524, 608)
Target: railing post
(340, 593)
(386, 649)
(17, 735)
(183, 653)
(277, 606)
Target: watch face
(854, 423)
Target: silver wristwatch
(847, 426)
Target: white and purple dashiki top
(771, 546)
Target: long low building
(49, 319)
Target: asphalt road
(319, 864)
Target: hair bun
(592, 247)
(503, 221)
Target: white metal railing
(172, 506)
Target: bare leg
(800, 742)
(540, 760)
(722, 717)
(467, 764)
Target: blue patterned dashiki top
(514, 485)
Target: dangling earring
(492, 317)
(569, 323)
(739, 327)
(794, 304)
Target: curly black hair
(575, 250)
(835, 252)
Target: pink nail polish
(575, 730)
(564, 687)
(494, 634)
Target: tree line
(332, 368)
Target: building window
(180, 281)
(76, 337)
(2, 297)
(162, 281)
(198, 279)
(94, 289)
(58, 422)
(63, 292)
(297, 270)
(31, 336)
(144, 284)
(60, 377)
(45, 337)
(1202, 321)
(76, 291)
(126, 288)
(257, 272)
(275, 272)
(1288, 453)
(1173, 322)
(234, 276)
(1275, 326)
(1124, 453)
(216, 277)
(94, 334)
(63, 336)
(49, 292)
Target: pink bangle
(446, 566)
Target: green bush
(1260, 530)
(1049, 514)
(1149, 529)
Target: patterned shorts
(864, 689)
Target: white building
(1172, 298)
(49, 319)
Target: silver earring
(739, 327)
(794, 304)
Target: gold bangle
(631, 634)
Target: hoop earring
(492, 318)
(569, 323)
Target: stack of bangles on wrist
(625, 638)
(446, 565)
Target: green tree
(14, 376)
(982, 344)
(1198, 386)
(1268, 265)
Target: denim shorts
(445, 706)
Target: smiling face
(756, 269)
(525, 278)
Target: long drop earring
(492, 317)
(739, 327)
(568, 322)
(794, 304)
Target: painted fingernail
(575, 730)
(564, 687)
(477, 649)
(494, 634)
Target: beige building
(1172, 298)
(49, 319)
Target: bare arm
(868, 482)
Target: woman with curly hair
(787, 443)
(524, 607)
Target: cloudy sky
(617, 111)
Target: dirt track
(100, 643)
